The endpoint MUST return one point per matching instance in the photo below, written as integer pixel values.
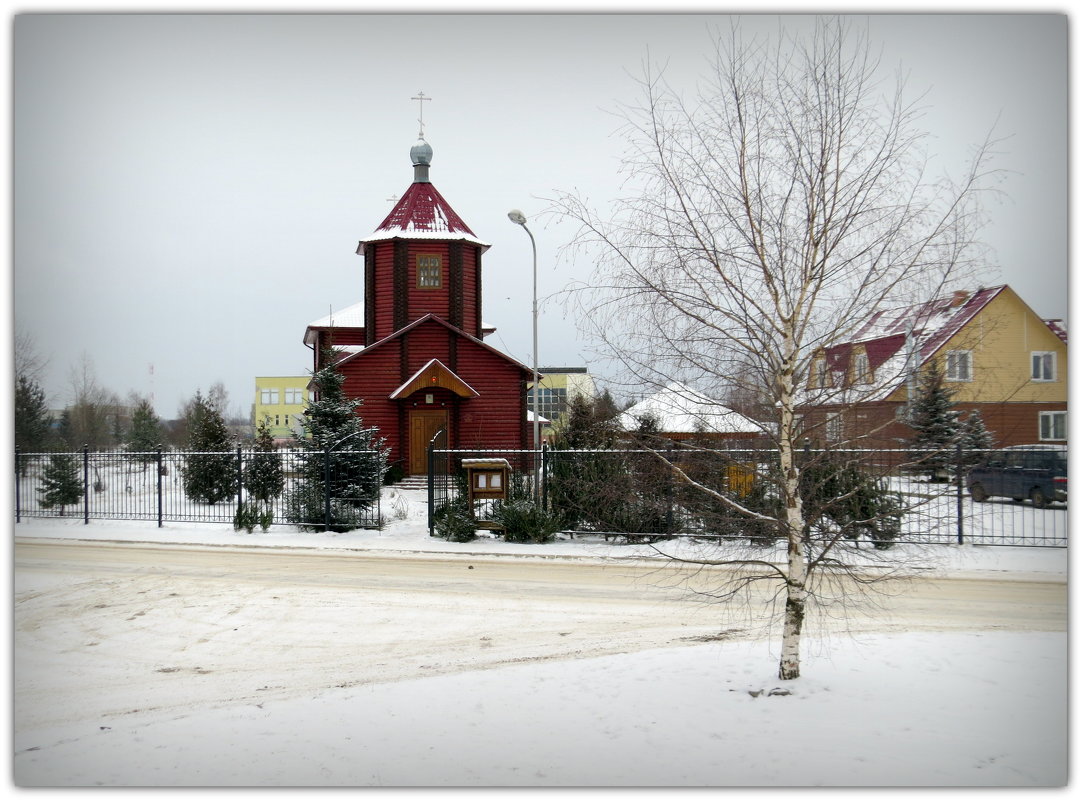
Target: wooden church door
(423, 426)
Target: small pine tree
(210, 470)
(591, 422)
(145, 434)
(33, 423)
(975, 439)
(32, 418)
(61, 484)
(263, 477)
(332, 430)
(935, 424)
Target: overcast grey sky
(189, 190)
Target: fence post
(18, 488)
(545, 475)
(431, 486)
(959, 484)
(159, 486)
(240, 479)
(86, 485)
(670, 491)
(327, 489)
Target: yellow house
(280, 400)
(997, 356)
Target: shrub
(842, 494)
(246, 517)
(266, 518)
(394, 474)
(455, 523)
(526, 521)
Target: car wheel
(1038, 498)
(978, 494)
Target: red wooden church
(412, 351)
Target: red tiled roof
(1058, 328)
(878, 350)
(933, 322)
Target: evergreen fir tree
(65, 430)
(145, 434)
(61, 484)
(263, 477)
(935, 424)
(591, 422)
(210, 470)
(33, 423)
(975, 439)
(333, 431)
(591, 489)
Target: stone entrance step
(413, 483)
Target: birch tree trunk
(795, 525)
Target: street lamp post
(518, 218)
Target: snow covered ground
(930, 708)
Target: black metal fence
(997, 497)
(313, 489)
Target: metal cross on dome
(421, 98)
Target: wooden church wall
(495, 419)
(492, 420)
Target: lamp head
(517, 217)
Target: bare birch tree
(761, 223)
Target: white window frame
(294, 396)
(1037, 373)
(268, 397)
(862, 368)
(819, 373)
(834, 425)
(1046, 432)
(953, 362)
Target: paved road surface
(105, 631)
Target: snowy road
(122, 632)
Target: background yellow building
(556, 387)
(280, 400)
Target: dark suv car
(1037, 472)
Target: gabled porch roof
(434, 375)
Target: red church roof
(437, 319)
(423, 209)
(422, 212)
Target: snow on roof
(349, 317)
(423, 213)
(883, 336)
(348, 349)
(933, 322)
(679, 409)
